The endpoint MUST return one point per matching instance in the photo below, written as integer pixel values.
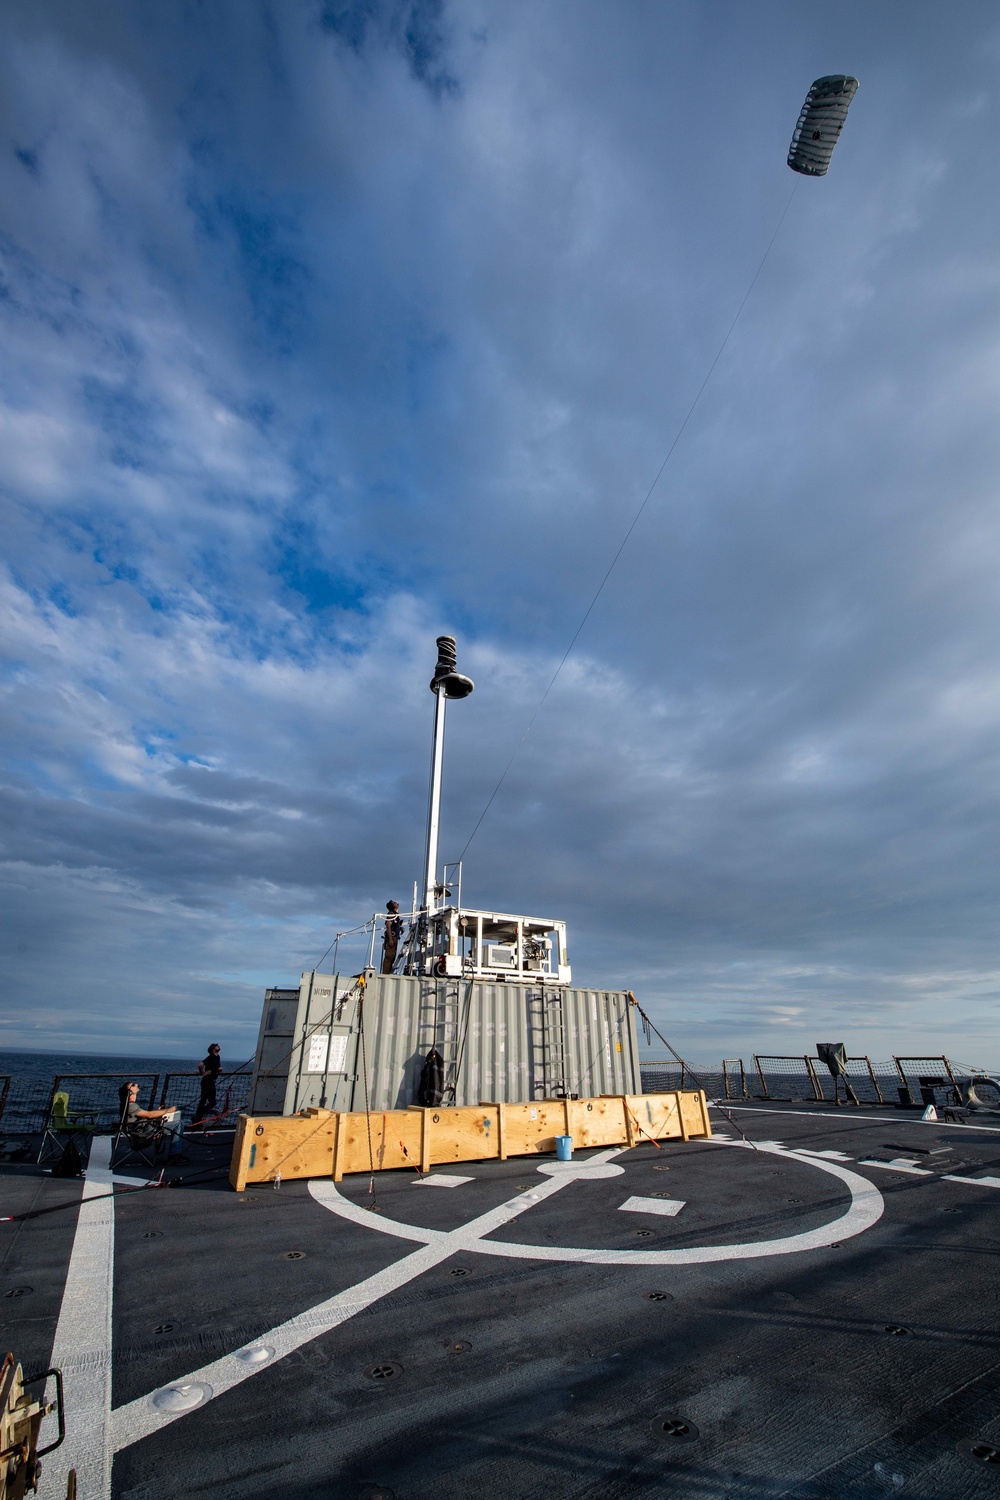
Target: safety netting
(925, 1080)
(664, 1077)
(91, 1102)
(785, 1078)
(870, 1083)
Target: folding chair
(144, 1140)
(63, 1124)
(142, 1143)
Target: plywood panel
(465, 1134)
(695, 1112)
(654, 1116)
(393, 1141)
(596, 1122)
(295, 1146)
(321, 1143)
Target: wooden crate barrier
(323, 1143)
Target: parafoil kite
(820, 123)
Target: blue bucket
(564, 1148)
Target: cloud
(335, 327)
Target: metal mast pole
(446, 683)
(434, 809)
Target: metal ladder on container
(547, 1037)
(449, 1025)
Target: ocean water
(33, 1066)
(27, 1078)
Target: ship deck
(813, 1318)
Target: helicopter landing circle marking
(140, 1417)
(584, 1171)
(865, 1209)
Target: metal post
(763, 1080)
(446, 683)
(871, 1075)
(434, 809)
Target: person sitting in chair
(133, 1117)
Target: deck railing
(906, 1081)
(232, 1092)
(93, 1099)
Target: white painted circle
(865, 1209)
(181, 1398)
(582, 1169)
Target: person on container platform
(392, 935)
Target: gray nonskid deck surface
(523, 1376)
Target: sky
(329, 326)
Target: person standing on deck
(209, 1069)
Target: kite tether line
(635, 521)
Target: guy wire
(648, 1024)
(368, 1113)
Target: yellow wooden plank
(630, 1134)
(679, 1114)
(644, 1118)
(598, 1122)
(654, 1116)
(376, 1141)
(241, 1154)
(338, 1150)
(467, 1134)
(695, 1111)
(425, 1141)
(295, 1146)
(533, 1127)
(319, 1143)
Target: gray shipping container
(502, 1042)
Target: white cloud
(305, 366)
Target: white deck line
(859, 1119)
(990, 1182)
(148, 1414)
(82, 1347)
(897, 1166)
(137, 1419)
(866, 1208)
